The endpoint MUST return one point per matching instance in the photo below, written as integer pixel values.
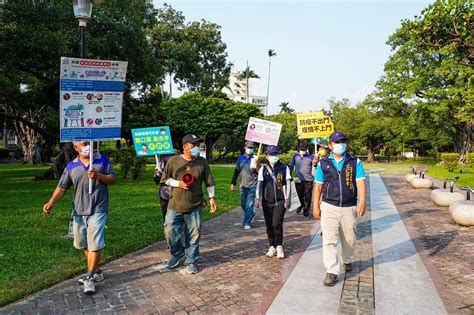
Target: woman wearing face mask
(274, 184)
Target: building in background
(237, 90)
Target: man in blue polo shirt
(90, 211)
(340, 185)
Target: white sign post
(91, 96)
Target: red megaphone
(188, 178)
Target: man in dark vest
(339, 196)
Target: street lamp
(83, 13)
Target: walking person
(273, 183)
(90, 211)
(302, 162)
(186, 173)
(340, 181)
(248, 183)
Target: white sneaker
(97, 277)
(89, 287)
(247, 227)
(279, 251)
(271, 251)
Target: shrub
(450, 161)
(132, 166)
(470, 159)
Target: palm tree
(271, 53)
(247, 74)
(285, 108)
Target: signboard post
(91, 96)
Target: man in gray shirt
(248, 183)
(302, 162)
(89, 210)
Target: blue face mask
(339, 148)
(249, 151)
(194, 151)
(273, 159)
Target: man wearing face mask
(274, 181)
(185, 174)
(340, 181)
(90, 211)
(302, 162)
(248, 183)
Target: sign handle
(315, 146)
(91, 164)
(259, 150)
(157, 159)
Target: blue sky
(325, 48)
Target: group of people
(332, 178)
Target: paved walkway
(393, 273)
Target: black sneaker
(331, 280)
(299, 210)
(348, 267)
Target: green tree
(285, 108)
(248, 74)
(209, 115)
(429, 78)
(33, 37)
(289, 135)
(192, 53)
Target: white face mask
(86, 151)
(273, 159)
(302, 152)
(339, 148)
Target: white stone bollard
(463, 212)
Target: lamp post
(83, 13)
(403, 147)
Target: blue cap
(337, 136)
(272, 149)
(249, 144)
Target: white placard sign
(263, 131)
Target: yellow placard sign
(314, 125)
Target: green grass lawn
(433, 170)
(33, 255)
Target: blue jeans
(247, 198)
(174, 229)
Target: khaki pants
(338, 223)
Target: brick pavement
(447, 249)
(235, 276)
(358, 290)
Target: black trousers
(164, 207)
(274, 222)
(305, 193)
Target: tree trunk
(464, 139)
(370, 154)
(28, 141)
(209, 147)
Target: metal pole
(82, 41)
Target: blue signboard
(151, 141)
